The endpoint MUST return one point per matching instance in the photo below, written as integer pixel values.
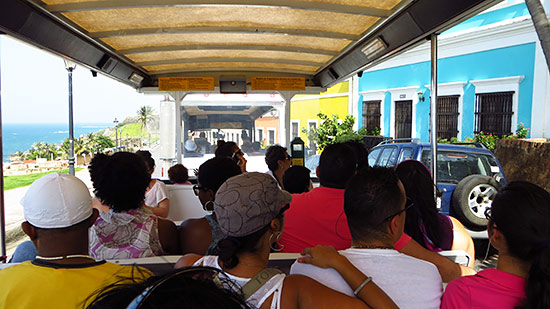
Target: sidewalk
(14, 212)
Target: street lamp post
(116, 133)
(70, 66)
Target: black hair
(273, 155)
(214, 172)
(178, 173)
(146, 156)
(225, 149)
(176, 289)
(371, 196)
(120, 180)
(419, 187)
(361, 153)
(296, 179)
(229, 247)
(336, 166)
(521, 211)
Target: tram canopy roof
(319, 41)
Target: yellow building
(304, 109)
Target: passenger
(201, 236)
(156, 197)
(178, 175)
(191, 149)
(231, 150)
(317, 217)
(58, 213)
(375, 205)
(432, 230)
(190, 287)
(297, 179)
(361, 154)
(202, 143)
(278, 161)
(250, 209)
(125, 227)
(518, 228)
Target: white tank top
(273, 286)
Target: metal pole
(433, 107)
(71, 132)
(178, 97)
(2, 208)
(116, 136)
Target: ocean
(20, 136)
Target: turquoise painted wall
(491, 17)
(510, 61)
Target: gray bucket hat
(246, 203)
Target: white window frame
(454, 88)
(409, 93)
(293, 122)
(269, 130)
(502, 84)
(258, 130)
(376, 95)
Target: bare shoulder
(187, 260)
(192, 223)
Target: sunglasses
(193, 272)
(488, 214)
(197, 189)
(408, 205)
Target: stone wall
(525, 159)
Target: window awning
(138, 41)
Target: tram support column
(70, 66)
(3, 252)
(433, 107)
(178, 98)
(284, 131)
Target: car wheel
(472, 196)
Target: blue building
(492, 77)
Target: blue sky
(35, 90)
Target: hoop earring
(278, 246)
(208, 206)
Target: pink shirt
(490, 288)
(317, 218)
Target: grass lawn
(132, 129)
(12, 182)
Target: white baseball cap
(57, 201)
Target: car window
(453, 166)
(373, 155)
(406, 154)
(386, 156)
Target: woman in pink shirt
(519, 229)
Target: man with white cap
(58, 213)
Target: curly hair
(146, 156)
(273, 155)
(226, 149)
(178, 173)
(120, 180)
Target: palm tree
(145, 113)
(542, 26)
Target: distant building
(304, 109)
(492, 77)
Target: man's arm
(447, 268)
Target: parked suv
(468, 175)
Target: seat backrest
(458, 256)
(184, 204)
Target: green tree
(332, 130)
(145, 113)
